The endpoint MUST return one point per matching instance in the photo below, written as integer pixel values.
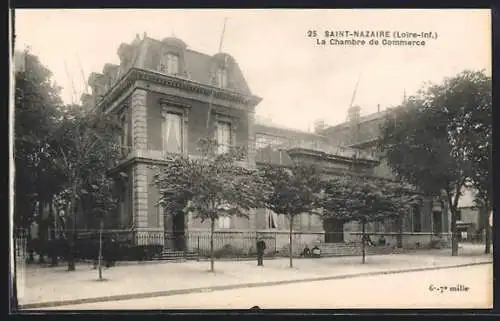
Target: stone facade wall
(155, 214)
(196, 123)
(140, 174)
(138, 110)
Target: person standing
(261, 246)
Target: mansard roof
(143, 54)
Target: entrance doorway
(437, 222)
(178, 232)
(334, 230)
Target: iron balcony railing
(321, 146)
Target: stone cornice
(133, 75)
(173, 102)
(156, 157)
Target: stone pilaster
(140, 196)
(138, 109)
(251, 138)
(161, 220)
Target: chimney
(378, 108)
(137, 39)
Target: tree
(294, 190)
(350, 198)
(101, 199)
(37, 179)
(474, 89)
(426, 142)
(210, 186)
(85, 141)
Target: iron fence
(236, 244)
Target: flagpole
(213, 78)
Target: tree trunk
(41, 233)
(454, 235)
(72, 233)
(487, 230)
(290, 246)
(29, 245)
(400, 232)
(52, 245)
(99, 258)
(363, 243)
(212, 259)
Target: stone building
(423, 224)
(162, 90)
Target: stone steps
(354, 249)
(171, 255)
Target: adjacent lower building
(167, 96)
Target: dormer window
(169, 63)
(221, 77)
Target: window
(271, 219)
(124, 144)
(224, 222)
(221, 77)
(459, 215)
(125, 201)
(262, 141)
(172, 133)
(417, 219)
(223, 137)
(169, 64)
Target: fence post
(198, 248)
(275, 243)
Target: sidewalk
(51, 286)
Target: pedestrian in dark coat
(261, 246)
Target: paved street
(405, 290)
(44, 285)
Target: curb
(132, 296)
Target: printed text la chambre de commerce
(371, 37)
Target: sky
(299, 81)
